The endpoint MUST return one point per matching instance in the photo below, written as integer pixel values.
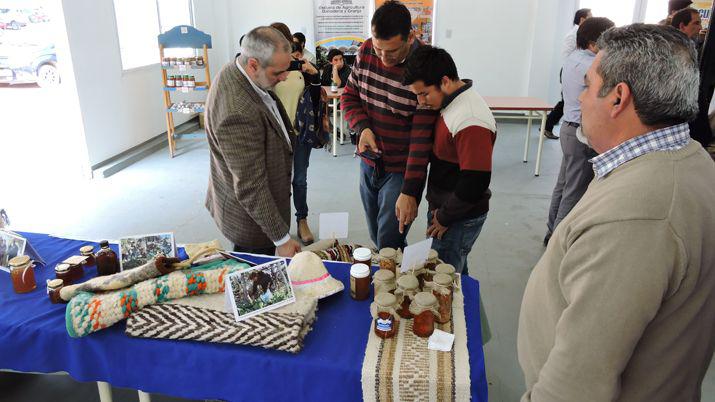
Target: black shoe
(548, 134)
(546, 239)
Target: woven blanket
(90, 312)
(205, 318)
(403, 369)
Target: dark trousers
(301, 160)
(574, 176)
(263, 251)
(557, 112)
(378, 200)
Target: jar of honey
(22, 274)
(106, 258)
(62, 271)
(362, 255)
(384, 316)
(442, 290)
(407, 287)
(424, 308)
(360, 281)
(383, 281)
(76, 272)
(88, 251)
(388, 259)
(447, 269)
(430, 264)
(53, 290)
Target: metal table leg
(528, 134)
(335, 127)
(541, 143)
(144, 397)
(105, 391)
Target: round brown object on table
(385, 317)
(424, 308)
(22, 274)
(407, 287)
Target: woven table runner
(403, 369)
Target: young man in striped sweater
(385, 114)
(461, 159)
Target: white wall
(121, 109)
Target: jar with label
(165, 62)
(172, 61)
(424, 308)
(88, 251)
(383, 281)
(432, 261)
(192, 82)
(180, 61)
(187, 80)
(388, 259)
(53, 290)
(76, 272)
(384, 316)
(178, 81)
(170, 81)
(362, 255)
(22, 274)
(407, 287)
(359, 282)
(107, 262)
(200, 61)
(442, 290)
(62, 271)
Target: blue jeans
(378, 200)
(458, 241)
(301, 160)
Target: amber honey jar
(362, 255)
(383, 281)
(106, 258)
(430, 264)
(442, 291)
(407, 288)
(88, 251)
(22, 274)
(388, 259)
(359, 282)
(62, 271)
(53, 290)
(385, 318)
(424, 308)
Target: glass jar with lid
(88, 251)
(430, 264)
(442, 290)
(62, 271)
(359, 281)
(388, 259)
(407, 287)
(362, 255)
(22, 274)
(107, 261)
(53, 290)
(385, 317)
(424, 308)
(383, 281)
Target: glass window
(140, 21)
(656, 11)
(618, 11)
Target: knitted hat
(310, 278)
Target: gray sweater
(621, 306)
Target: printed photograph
(138, 250)
(11, 245)
(259, 289)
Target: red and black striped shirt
(375, 98)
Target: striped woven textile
(375, 98)
(403, 369)
(203, 318)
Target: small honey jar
(362, 255)
(22, 274)
(359, 282)
(88, 251)
(62, 271)
(53, 290)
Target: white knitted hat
(310, 278)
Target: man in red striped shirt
(392, 127)
(461, 161)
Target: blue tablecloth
(33, 339)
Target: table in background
(333, 97)
(33, 338)
(530, 105)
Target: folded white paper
(441, 341)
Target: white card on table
(333, 225)
(415, 255)
(440, 340)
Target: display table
(33, 339)
(533, 108)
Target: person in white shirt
(568, 47)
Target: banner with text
(341, 24)
(422, 15)
(705, 8)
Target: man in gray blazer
(251, 142)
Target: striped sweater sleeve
(421, 138)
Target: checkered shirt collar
(666, 139)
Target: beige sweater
(621, 306)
